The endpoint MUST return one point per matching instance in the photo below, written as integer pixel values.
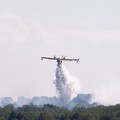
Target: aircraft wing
(50, 58)
(65, 59)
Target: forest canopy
(50, 112)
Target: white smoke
(67, 86)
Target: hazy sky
(89, 29)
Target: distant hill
(81, 101)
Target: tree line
(50, 112)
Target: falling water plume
(67, 86)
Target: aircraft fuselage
(59, 61)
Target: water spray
(67, 86)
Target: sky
(89, 30)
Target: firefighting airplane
(59, 60)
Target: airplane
(59, 60)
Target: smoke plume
(67, 86)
